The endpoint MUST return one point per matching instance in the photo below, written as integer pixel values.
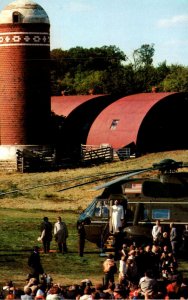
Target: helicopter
(156, 193)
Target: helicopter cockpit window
(101, 209)
(162, 214)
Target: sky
(126, 24)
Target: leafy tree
(89, 82)
(78, 63)
(176, 80)
(143, 67)
(66, 85)
(161, 71)
(143, 57)
(105, 70)
(58, 62)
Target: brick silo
(24, 74)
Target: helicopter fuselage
(145, 200)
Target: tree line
(108, 70)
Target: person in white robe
(117, 216)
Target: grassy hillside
(42, 190)
(26, 198)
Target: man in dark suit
(46, 234)
(81, 237)
(35, 264)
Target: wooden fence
(96, 154)
(43, 159)
(34, 160)
(123, 153)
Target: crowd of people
(147, 271)
(142, 272)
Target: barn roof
(80, 113)
(64, 105)
(119, 123)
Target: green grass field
(19, 231)
(26, 198)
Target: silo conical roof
(30, 12)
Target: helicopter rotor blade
(120, 179)
(111, 175)
(164, 164)
(125, 175)
(94, 180)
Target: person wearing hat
(34, 263)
